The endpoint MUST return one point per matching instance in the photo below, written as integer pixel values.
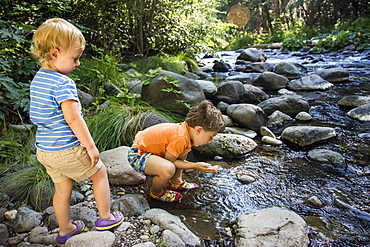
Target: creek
(286, 178)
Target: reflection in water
(286, 178)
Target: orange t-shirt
(160, 138)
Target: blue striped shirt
(48, 90)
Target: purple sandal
(104, 224)
(80, 225)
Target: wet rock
(287, 70)
(271, 81)
(361, 113)
(303, 117)
(253, 55)
(229, 92)
(120, 172)
(264, 131)
(334, 75)
(92, 239)
(247, 116)
(271, 227)
(326, 156)
(221, 66)
(26, 220)
(257, 67)
(172, 239)
(314, 201)
(271, 140)
(191, 92)
(288, 104)
(241, 131)
(245, 176)
(311, 82)
(253, 94)
(277, 118)
(227, 145)
(354, 101)
(174, 224)
(307, 135)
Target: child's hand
(94, 155)
(206, 167)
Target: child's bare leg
(102, 193)
(162, 169)
(61, 204)
(177, 177)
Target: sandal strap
(166, 196)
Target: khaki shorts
(71, 163)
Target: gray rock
(26, 220)
(271, 81)
(209, 88)
(147, 244)
(288, 70)
(111, 89)
(173, 223)
(271, 227)
(227, 145)
(277, 118)
(271, 140)
(172, 239)
(253, 94)
(303, 116)
(257, 67)
(131, 205)
(191, 92)
(334, 75)
(92, 239)
(253, 55)
(85, 98)
(288, 104)
(4, 234)
(310, 82)
(307, 135)
(230, 92)
(241, 131)
(87, 215)
(228, 121)
(38, 234)
(314, 201)
(326, 156)
(17, 239)
(264, 131)
(120, 172)
(354, 101)
(361, 113)
(247, 116)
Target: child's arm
(72, 115)
(181, 163)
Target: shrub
(292, 44)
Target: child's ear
(198, 129)
(54, 53)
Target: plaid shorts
(136, 161)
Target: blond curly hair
(55, 33)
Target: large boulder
(247, 116)
(253, 55)
(120, 172)
(176, 96)
(253, 94)
(306, 135)
(227, 146)
(288, 104)
(310, 82)
(229, 92)
(361, 113)
(288, 70)
(334, 75)
(354, 101)
(271, 227)
(271, 81)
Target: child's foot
(104, 224)
(166, 196)
(61, 240)
(183, 186)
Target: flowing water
(286, 178)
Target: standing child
(161, 150)
(64, 144)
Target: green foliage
(240, 41)
(178, 64)
(339, 40)
(122, 123)
(16, 70)
(292, 44)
